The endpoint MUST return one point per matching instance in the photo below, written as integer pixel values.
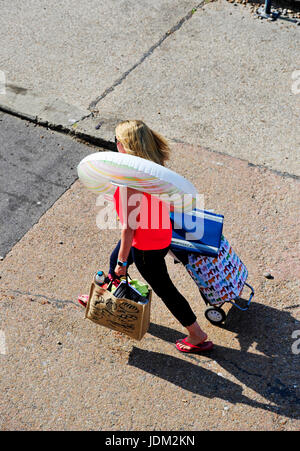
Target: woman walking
(146, 233)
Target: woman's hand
(120, 271)
(128, 230)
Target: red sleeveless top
(154, 229)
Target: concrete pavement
(210, 74)
(61, 372)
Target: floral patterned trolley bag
(216, 269)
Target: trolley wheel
(215, 315)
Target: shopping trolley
(218, 272)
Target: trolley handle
(248, 302)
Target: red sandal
(195, 349)
(83, 299)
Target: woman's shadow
(273, 373)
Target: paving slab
(210, 74)
(74, 50)
(223, 81)
(35, 106)
(62, 372)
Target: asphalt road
(37, 167)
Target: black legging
(152, 267)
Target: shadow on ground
(272, 373)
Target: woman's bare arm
(130, 202)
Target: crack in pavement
(60, 303)
(172, 30)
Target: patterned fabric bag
(221, 278)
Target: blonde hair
(139, 140)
